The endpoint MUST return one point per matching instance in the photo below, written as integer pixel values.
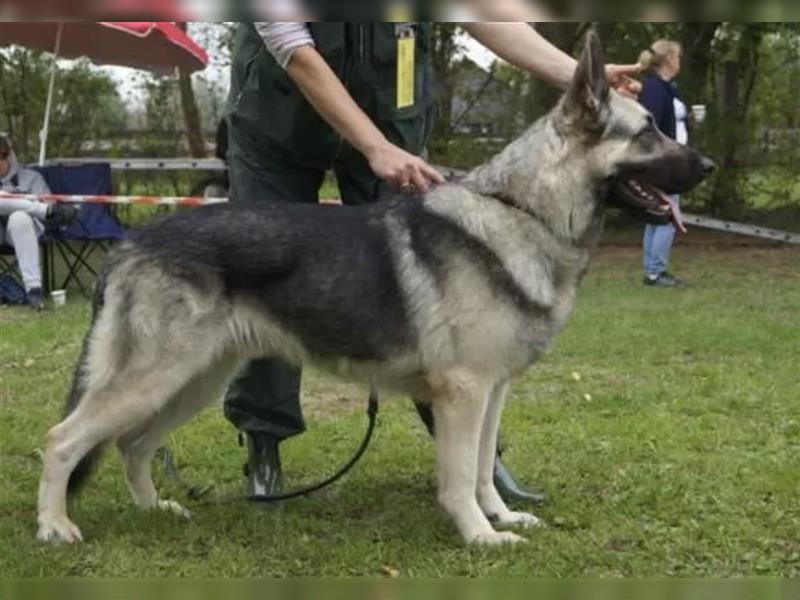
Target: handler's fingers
(431, 174)
(398, 181)
(629, 87)
(630, 70)
(632, 86)
(419, 180)
(621, 78)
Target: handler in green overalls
(358, 98)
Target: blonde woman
(659, 95)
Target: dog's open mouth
(653, 201)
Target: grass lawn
(664, 426)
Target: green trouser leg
(265, 397)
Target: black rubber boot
(508, 487)
(263, 468)
(36, 299)
(510, 490)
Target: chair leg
(79, 260)
(72, 260)
(9, 267)
(47, 278)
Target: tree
(191, 115)
(739, 53)
(697, 39)
(444, 47)
(86, 104)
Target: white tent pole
(48, 107)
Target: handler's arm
(322, 88)
(522, 46)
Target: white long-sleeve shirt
(283, 39)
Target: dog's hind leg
(139, 446)
(65, 448)
(127, 400)
(459, 401)
(489, 499)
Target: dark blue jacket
(658, 96)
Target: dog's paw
(497, 538)
(174, 507)
(520, 519)
(58, 531)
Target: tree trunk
(741, 68)
(4, 93)
(444, 46)
(696, 40)
(724, 192)
(191, 114)
(22, 148)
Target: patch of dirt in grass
(15, 313)
(325, 397)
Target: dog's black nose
(707, 165)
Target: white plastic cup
(699, 112)
(59, 298)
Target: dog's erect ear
(588, 94)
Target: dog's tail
(86, 466)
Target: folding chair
(8, 263)
(95, 229)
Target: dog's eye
(649, 132)
(651, 125)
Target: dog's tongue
(674, 210)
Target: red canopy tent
(155, 46)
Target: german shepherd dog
(445, 298)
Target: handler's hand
(402, 170)
(621, 78)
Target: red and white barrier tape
(147, 200)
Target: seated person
(22, 222)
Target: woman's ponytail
(658, 53)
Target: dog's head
(635, 165)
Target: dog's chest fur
(492, 284)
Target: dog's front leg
(459, 404)
(489, 499)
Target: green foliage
(461, 151)
(86, 104)
(748, 75)
(445, 46)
